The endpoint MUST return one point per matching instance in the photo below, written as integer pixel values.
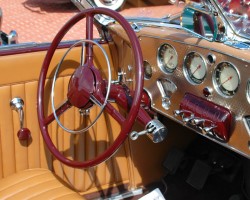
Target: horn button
(81, 87)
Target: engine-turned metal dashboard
(200, 84)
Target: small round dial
(195, 68)
(167, 58)
(226, 79)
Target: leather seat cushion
(35, 184)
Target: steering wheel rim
(132, 114)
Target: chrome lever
(188, 119)
(208, 129)
(155, 130)
(178, 112)
(17, 105)
(181, 112)
(134, 134)
(197, 121)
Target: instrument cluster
(225, 78)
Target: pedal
(173, 160)
(198, 174)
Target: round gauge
(167, 58)
(226, 79)
(248, 90)
(147, 70)
(195, 68)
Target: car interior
(158, 103)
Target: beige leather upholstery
(35, 184)
(19, 79)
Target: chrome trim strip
(18, 46)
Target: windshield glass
(237, 13)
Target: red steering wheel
(85, 82)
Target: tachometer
(195, 68)
(226, 79)
(167, 58)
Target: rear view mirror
(199, 21)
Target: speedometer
(167, 58)
(195, 68)
(226, 79)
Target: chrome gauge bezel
(160, 59)
(248, 91)
(188, 74)
(216, 80)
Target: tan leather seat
(35, 184)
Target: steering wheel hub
(81, 86)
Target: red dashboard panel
(215, 119)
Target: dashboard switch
(197, 121)
(181, 113)
(208, 129)
(188, 119)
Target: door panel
(19, 78)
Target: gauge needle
(197, 68)
(170, 58)
(229, 78)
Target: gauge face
(226, 79)
(167, 58)
(195, 68)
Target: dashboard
(202, 85)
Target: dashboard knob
(207, 91)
